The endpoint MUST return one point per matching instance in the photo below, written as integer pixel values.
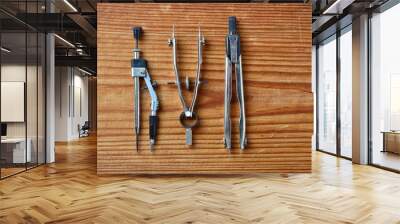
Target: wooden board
(276, 49)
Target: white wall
(80, 112)
(62, 82)
(71, 102)
(13, 72)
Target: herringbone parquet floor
(69, 191)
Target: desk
(391, 141)
(18, 150)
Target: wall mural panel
(276, 51)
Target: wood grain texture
(276, 49)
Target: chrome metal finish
(233, 60)
(137, 109)
(188, 132)
(136, 95)
(188, 110)
(139, 71)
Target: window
(346, 93)
(327, 95)
(385, 89)
(333, 106)
(22, 77)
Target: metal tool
(139, 70)
(233, 57)
(188, 118)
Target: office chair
(84, 130)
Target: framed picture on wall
(12, 101)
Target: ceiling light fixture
(64, 40)
(84, 71)
(337, 7)
(70, 5)
(5, 50)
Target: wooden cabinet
(391, 142)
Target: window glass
(14, 149)
(327, 96)
(346, 93)
(22, 89)
(385, 88)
